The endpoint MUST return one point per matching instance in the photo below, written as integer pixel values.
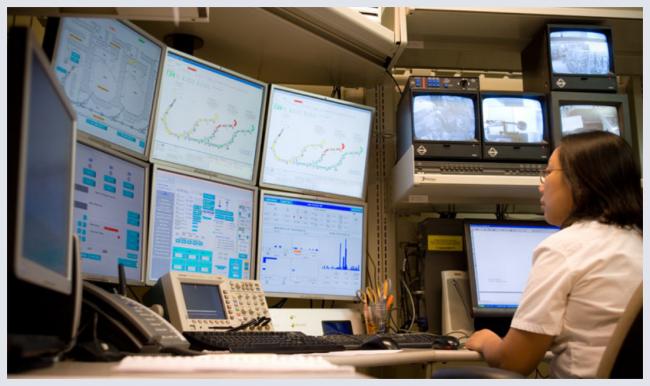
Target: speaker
(456, 306)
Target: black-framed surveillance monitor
(41, 125)
(109, 70)
(310, 247)
(315, 144)
(110, 213)
(499, 255)
(208, 118)
(580, 50)
(199, 225)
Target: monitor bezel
(154, 101)
(145, 215)
(265, 147)
(607, 31)
(213, 179)
(261, 123)
(491, 312)
(364, 235)
(25, 269)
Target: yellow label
(444, 243)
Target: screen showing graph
(316, 144)
(109, 213)
(109, 71)
(199, 226)
(310, 248)
(207, 118)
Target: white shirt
(581, 280)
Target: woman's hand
(480, 339)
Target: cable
(280, 303)
(399, 90)
(410, 297)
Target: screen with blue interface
(199, 226)
(310, 248)
(579, 52)
(579, 118)
(109, 72)
(439, 117)
(500, 256)
(316, 144)
(207, 118)
(109, 205)
(512, 119)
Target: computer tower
(456, 304)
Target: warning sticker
(444, 243)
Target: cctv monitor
(315, 144)
(514, 127)
(310, 247)
(109, 70)
(499, 258)
(110, 213)
(199, 225)
(208, 118)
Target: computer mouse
(446, 342)
(379, 343)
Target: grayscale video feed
(444, 118)
(580, 118)
(508, 119)
(579, 52)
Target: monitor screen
(310, 248)
(442, 117)
(110, 213)
(577, 118)
(198, 225)
(579, 52)
(316, 144)
(512, 119)
(203, 301)
(208, 118)
(499, 260)
(109, 70)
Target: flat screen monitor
(310, 247)
(316, 144)
(580, 51)
(110, 213)
(41, 132)
(208, 118)
(499, 255)
(109, 70)
(199, 225)
(443, 117)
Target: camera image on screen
(579, 52)
(581, 118)
(444, 118)
(507, 119)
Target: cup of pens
(376, 307)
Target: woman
(582, 276)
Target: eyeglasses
(544, 173)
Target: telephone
(126, 324)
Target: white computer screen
(109, 72)
(207, 118)
(310, 248)
(199, 226)
(109, 214)
(316, 144)
(578, 118)
(579, 52)
(512, 119)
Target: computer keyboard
(261, 342)
(403, 340)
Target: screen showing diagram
(199, 226)
(316, 144)
(109, 213)
(207, 118)
(109, 73)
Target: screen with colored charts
(207, 118)
(200, 226)
(109, 71)
(310, 248)
(512, 119)
(440, 117)
(578, 118)
(109, 214)
(316, 144)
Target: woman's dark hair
(604, 177)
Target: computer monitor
(439, 117)
(315, 144)
(109, 70)
(310, 247)
(41, 137)
(514, 127)
(499, 258)
(110, 213)
(199, 225)
(208, 118)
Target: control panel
(444, 82)
(479, 168)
